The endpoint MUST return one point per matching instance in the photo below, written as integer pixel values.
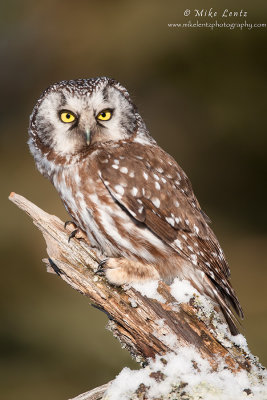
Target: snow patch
(169, 340)
(160, 322)
(182, 290)
(148, 289)
(186, 367)
(240, 340)
(133, 303)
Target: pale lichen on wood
(152, 329)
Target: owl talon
(100, 269)
(67, 223)
(76, 232)
(73, 234)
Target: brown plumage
(132, 199)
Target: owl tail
(226, 303)
(231, 320)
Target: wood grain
(133, 318)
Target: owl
(132, 199)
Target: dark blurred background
(202, 94)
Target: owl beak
(87, 136)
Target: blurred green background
(202, 94)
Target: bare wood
(134, 319)
(94, 394)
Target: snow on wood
(185, 350)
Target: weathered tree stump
(153, 327)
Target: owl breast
(109, 228)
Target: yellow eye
(104, 115)
(67, 116)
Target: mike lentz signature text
(212, 13)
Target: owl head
(72, 116)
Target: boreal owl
(132, 199)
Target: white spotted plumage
(131, 198)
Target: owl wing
(151, 187)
